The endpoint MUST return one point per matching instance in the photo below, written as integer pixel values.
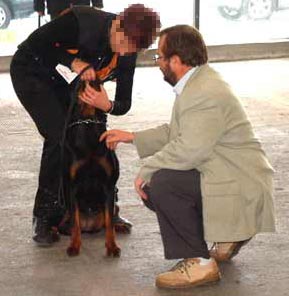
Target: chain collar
(86, 121)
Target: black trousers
(175, 197)
(46, 101)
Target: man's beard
(169, 75)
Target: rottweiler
(93, 173)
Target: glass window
(244, 21)
(15, 23)
(18, 20)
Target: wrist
(131, 137)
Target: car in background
(253, 9)
(12, 9)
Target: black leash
(73, 101)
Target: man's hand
(138, 185)
(113, 137)
(78, 65)
(97, 99)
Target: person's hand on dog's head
(78, 66)
(97, 99)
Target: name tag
(66, 73)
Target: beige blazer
(209, 131)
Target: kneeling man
(207, 178)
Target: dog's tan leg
(74, 248)
(75, 167)
(112, 249)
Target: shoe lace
(183, 266)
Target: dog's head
(93, 83)
(87, 123)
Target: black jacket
(88, 30)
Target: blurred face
(119, 42)
(164, 64)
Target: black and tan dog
(93, 173)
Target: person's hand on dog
(113, 137)
(78, 65)
(139, 183)
(97, 99)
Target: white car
(253, 9)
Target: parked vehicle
(12, 9)
(253, 9)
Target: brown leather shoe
(226, 251)
(189, 273)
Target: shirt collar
(178, 88)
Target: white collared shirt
(178, 88)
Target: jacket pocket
(225, 189)
(221, 202)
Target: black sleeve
(52, 40)
(124, 80)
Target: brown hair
(187, 43)
(140, 24)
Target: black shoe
(43, 234)
(121, 224)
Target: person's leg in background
(97, 3)
(175, 196)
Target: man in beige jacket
(207, 178)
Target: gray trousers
(175, 197)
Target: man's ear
(175, 61)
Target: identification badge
(66, 73)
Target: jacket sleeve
(39, 5)
(124, 83)
(158, 138)
(199, 132)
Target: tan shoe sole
(212, 280)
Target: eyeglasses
(157, 57)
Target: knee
(161, 185)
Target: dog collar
(86, 121)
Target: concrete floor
(261, 268)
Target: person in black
(55, 7)
(97, 35)
(94, 3)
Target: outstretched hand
(113, 137)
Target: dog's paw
(72, 251)
(114, 251)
